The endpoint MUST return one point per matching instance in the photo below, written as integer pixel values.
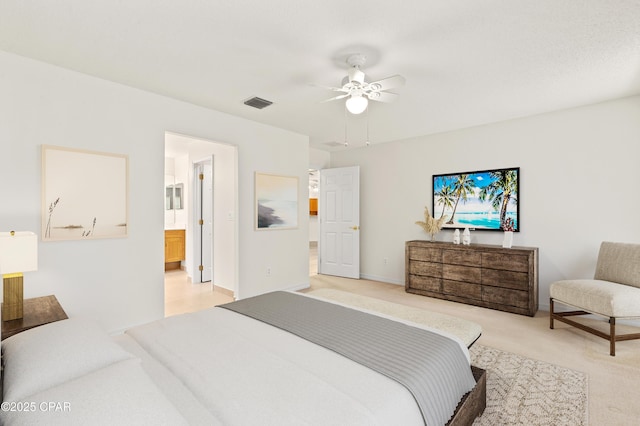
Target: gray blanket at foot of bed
(432, 367)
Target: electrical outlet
(268, 271)
(385, 260)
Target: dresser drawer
(506, 279)
(462, 257)
(419, 282)
(426, 268)
(505, 296)
(462, 289)
(500, 261)
(462, 273)
(425, 254)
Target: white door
(339, 222)
(204, 221)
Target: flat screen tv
(481, 200)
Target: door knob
(355, 228)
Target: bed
(239, 364)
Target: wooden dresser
(174, 248)
(483, 275)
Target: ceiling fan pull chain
(367, 142)
(345, 126)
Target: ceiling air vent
(257, 102)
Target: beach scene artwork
(84, 194)
(482, 200)
(276, 201)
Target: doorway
(339, 214)
(217, 244)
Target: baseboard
(381, 279)
(224, 291)
(298, 287)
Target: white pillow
(119, 394)
(46, 356)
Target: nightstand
(37, 311)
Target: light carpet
(523, 391)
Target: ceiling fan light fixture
(356, 104)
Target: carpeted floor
(523, 391)
(612, 381)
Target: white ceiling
(467, 62)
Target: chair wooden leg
(612, 336)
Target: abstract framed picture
(276, 202)
(84, 194)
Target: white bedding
(248, 373)
(214, 367)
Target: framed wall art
(276, 201)
(84, 194)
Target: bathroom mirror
(173, 194)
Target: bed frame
(473, 403)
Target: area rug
(523, 391)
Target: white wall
(319, 159)
(119, 282)
(579, 185)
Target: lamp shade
(356, 104)
(18, 252)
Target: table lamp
(18, 254)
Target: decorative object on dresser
(18, 254)
(483, 275)
(614, 292)
(37, 311)
(466, 237)
(430, 225)
(456, 236)
(507, 241)
(174, 248)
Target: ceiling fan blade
(333, 89)
(387, 83)
(335, 98)
(382, 96)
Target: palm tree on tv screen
(462, 187)
(502, 190)
(445, 197)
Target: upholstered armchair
(614, 292)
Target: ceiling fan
(358, 92)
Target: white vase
(508, 239)
(466, 237)
(456, 236)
